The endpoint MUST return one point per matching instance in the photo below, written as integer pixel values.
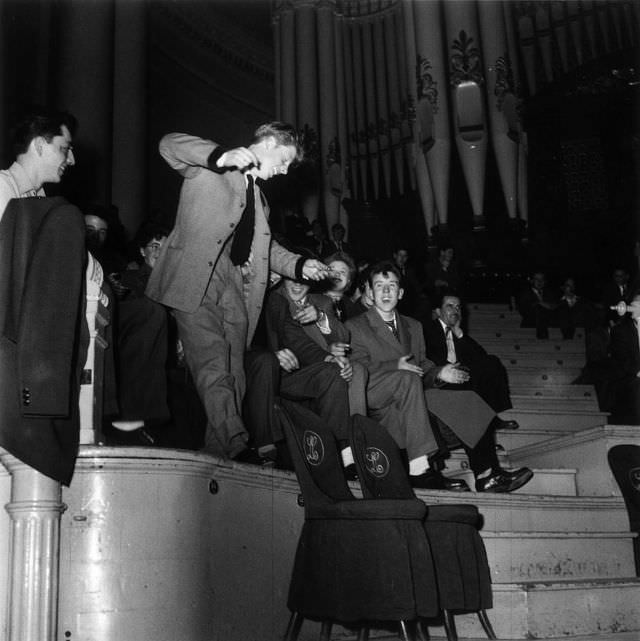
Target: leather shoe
(504, 480)
(251, 457)
(501, 424)
(431, 480)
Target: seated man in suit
(625, 370)
(447, 343)
(403, 386)
(313, 367)
(537, 305)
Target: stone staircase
(560, 548)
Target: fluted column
(287, 65)
(128, 163)
(35, 509)
(329, 162)
(307, 88)
(85, 87)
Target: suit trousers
(324, 391)
(214, 339)
(396, 400)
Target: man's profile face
(56, 156)
(450, 311)
(274, 158)
(386, 291)
(151, 250)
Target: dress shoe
(431, 480)
(251, 457)
(502, 424)
(504, 480)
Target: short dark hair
(442, 294)
(346, 259)
(385, 268)
(284, 134)
(337, 226)
(147, 232)
(39, 121)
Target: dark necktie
(338, 309)
(392, 326)
(241, 243)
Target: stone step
(556, 391)
(550, 418)
(548, 402)
(543, 610)
(559, 556)
(535, 376)
(543, 360)
(520, 334)
(519, 512)
(545, 482)
(586, 451)
(501, 347)
(513, 439)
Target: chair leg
(408, 631)
(486, 624)
(363, 633)
(450, 626)
(293, 627)
(423, 631)
(325, 630)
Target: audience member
(574, 311)
(337, 243)
(414, 303)
(142, 339)
(537, 304)
(443, 273)
(446, 342)
(213, 269)
(43, 148)
(403, 385)
(314, 365)
(615, 291)
(343, 271)
(625, 371)
(44, 335)
(318, 242)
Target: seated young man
(403, 387)
(314, 368)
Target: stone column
(128, 163)
(35, 509)
(85, 88)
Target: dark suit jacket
(467, 350)
(625, 350)
(44, 334)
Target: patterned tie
(451, 348)
(243, 236)
(392, 326)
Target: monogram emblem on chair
(313, 448)
(376, 462)
(634, 478)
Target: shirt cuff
(299, 266)
(213, 158)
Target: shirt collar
(22, 180)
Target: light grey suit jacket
(209, 209)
